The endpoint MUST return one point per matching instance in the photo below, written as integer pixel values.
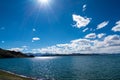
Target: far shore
(4, 75)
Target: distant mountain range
(50, 54)
(12, 54)
(72, 54)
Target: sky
(60, 26)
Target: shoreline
(7, 75)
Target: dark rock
(12, 54)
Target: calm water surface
(105, 67)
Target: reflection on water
(44, 58)
(66, 68)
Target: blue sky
(60, 26)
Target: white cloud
(74, 46)
(25, 47)
(117, 27)
(112, 37)
(85, 29)
(112, 40)
(91, 36)
(110, 44)
(91, 29)
(80, 21)
(109, 41)
(101, 35)
(33, 29)
(19, 49)
(3, 41)
(16, 49)
(103, 24)
(84, 7)
(35, 39)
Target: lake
(96, 67)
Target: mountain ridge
(12, 54)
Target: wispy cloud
(102, 25)
(92, 30)
(19, 49)
(117, 27)
(91, 36)
(2, 41)
(84, 7)
(85, 29)
(35, 39)
(110, 44)
(25, 47)
(33, 29)
(101, 35)
(80, 21)
(16, 49)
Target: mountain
(12, 54)
(72, 54)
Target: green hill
(12, 54)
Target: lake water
(105, 67)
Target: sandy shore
(4, 75)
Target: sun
(43, 1)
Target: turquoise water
(106, 67)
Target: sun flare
(43, 1)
